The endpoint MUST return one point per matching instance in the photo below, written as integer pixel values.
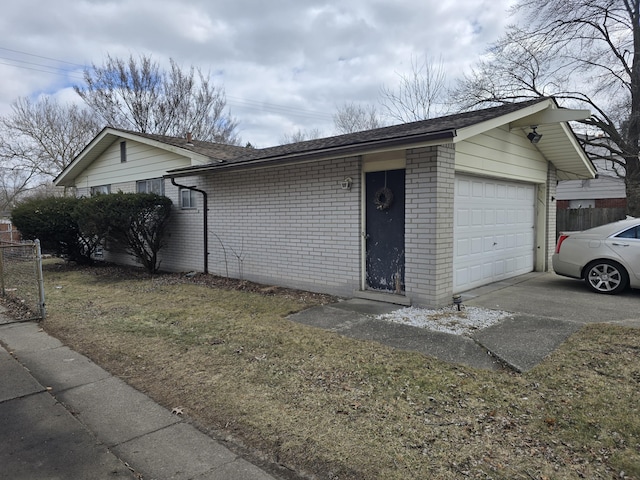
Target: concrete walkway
(546, 309)
(64, 418)
(519, 343)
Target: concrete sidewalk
(63, 417)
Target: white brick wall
(291, 225)
(184, 250)
(429, 225)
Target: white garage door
(494, 233)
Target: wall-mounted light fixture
(346, 183)
(533, 136)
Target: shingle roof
(215, 151)
(431, 127)
(441, 127)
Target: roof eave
(321, 154)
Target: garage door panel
(476, 273)
(490, 217)
(494, 234)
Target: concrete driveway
(552, 296)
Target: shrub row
(76, 227)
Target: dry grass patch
(338, 408)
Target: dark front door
(385, 230)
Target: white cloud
(285, 64)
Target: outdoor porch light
(534, 137)
(346, 183)
(457, 301)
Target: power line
(275, 108)
(62, 73)
(240, 102)
(40, 56)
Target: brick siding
(611, 203)
(291, 225)
(9, 233)
(599, 203)
(429, 224)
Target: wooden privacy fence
(573, 219)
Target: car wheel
(604, 276)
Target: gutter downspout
(205, 225)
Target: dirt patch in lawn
(323, 406)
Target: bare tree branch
(419, 95)
(37, 140)
(352, 117)
(583, 53)
(137, 95)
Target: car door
(626, 245)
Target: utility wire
(237, 101)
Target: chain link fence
(21, 280)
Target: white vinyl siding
(503, 154)
(602, 187)
(143, 162)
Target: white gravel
(447, 320)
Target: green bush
(51, 220)
(138, 222)
(75, 227)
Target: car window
(633, 232)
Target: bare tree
(420, 95)
(300, 136)
(14, 182)
(39, 139)
(585, 53)
(137, 95)
(352, 117)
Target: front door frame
(374, 163)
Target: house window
(187, 198)
(123, 152)
(101, 189)
(154, 185)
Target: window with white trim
(153, 185)
(101, 189)
(188, 198)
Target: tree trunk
(632, 184)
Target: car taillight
(561, 239)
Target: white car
(606, 257)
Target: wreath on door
(383, 198)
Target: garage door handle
(616, 244)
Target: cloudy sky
(286, 65)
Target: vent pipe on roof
(205, 223)
(189, 139)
